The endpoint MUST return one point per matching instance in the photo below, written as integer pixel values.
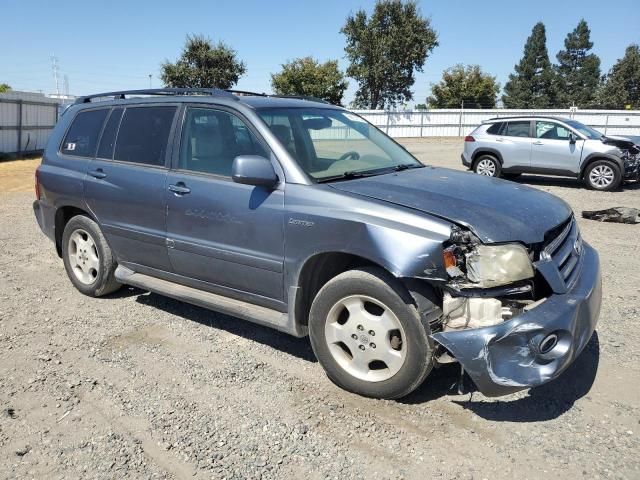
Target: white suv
(509, 146)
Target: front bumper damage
(506, 357)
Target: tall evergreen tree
(622, 84)
(532, 84)
(578, 71)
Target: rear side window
(495, 128)
(517, 129)
(108, 140)
(82, 138)
(144, 134)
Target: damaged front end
(516, 316)
(629, 153)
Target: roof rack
(511, 117)
(303, 97)
(121, 95)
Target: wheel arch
(594, 157)
(63, 215)
(486, 151)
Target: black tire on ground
(603, 175)
(104, 281)
(377, 284)
(487, 165)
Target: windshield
(588, 132)
(330, 144)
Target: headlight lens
(494, 265)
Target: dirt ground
(136, 385)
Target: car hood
(495, 210)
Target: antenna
(55, 67)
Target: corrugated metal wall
(26, 120)
(456, 122)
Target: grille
(565, 250)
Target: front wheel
(368, 335)
(603, 175)
(487, 165)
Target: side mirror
(253, 170)
(572, 138)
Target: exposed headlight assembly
(494, 265)
(470, 264)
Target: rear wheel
(487, 165)
(87, 257)
(368, 335)
(602, 175)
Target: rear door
(125, 184)
(552, 151)
(514, 143)
(225, 236)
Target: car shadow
(547, 401)
(298, 347)
(540, 180)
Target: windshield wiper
(406, 166)
(345, 176)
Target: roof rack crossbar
(121, 95)
(303, 97)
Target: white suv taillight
(469, 138)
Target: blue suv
(301, 216)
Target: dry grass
(18, 175)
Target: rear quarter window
(495, 128)
(81, 139)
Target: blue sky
(110, 45)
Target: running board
(219, 303)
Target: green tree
(306, 76)
(464, 84)
(4, 87)
(532, 83)
(203, 65)
(578, 71)
(385, 50)
(622, 83)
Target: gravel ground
(136, 385)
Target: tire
(487, 165)
(87, 258)
(378, 346)
(602, 175)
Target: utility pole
(56, 71)
(66, 87)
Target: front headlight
(494, 265)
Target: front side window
(551, 131)
(211, 139)
(329, 143)
(517, 129)
(82, 138)
(144, 134)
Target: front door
(552, 150)
(228, 236)
(125, 184)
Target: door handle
(499, 139)
(538, 143)
(179, 188)
(98, 173)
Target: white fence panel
(459, 122)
